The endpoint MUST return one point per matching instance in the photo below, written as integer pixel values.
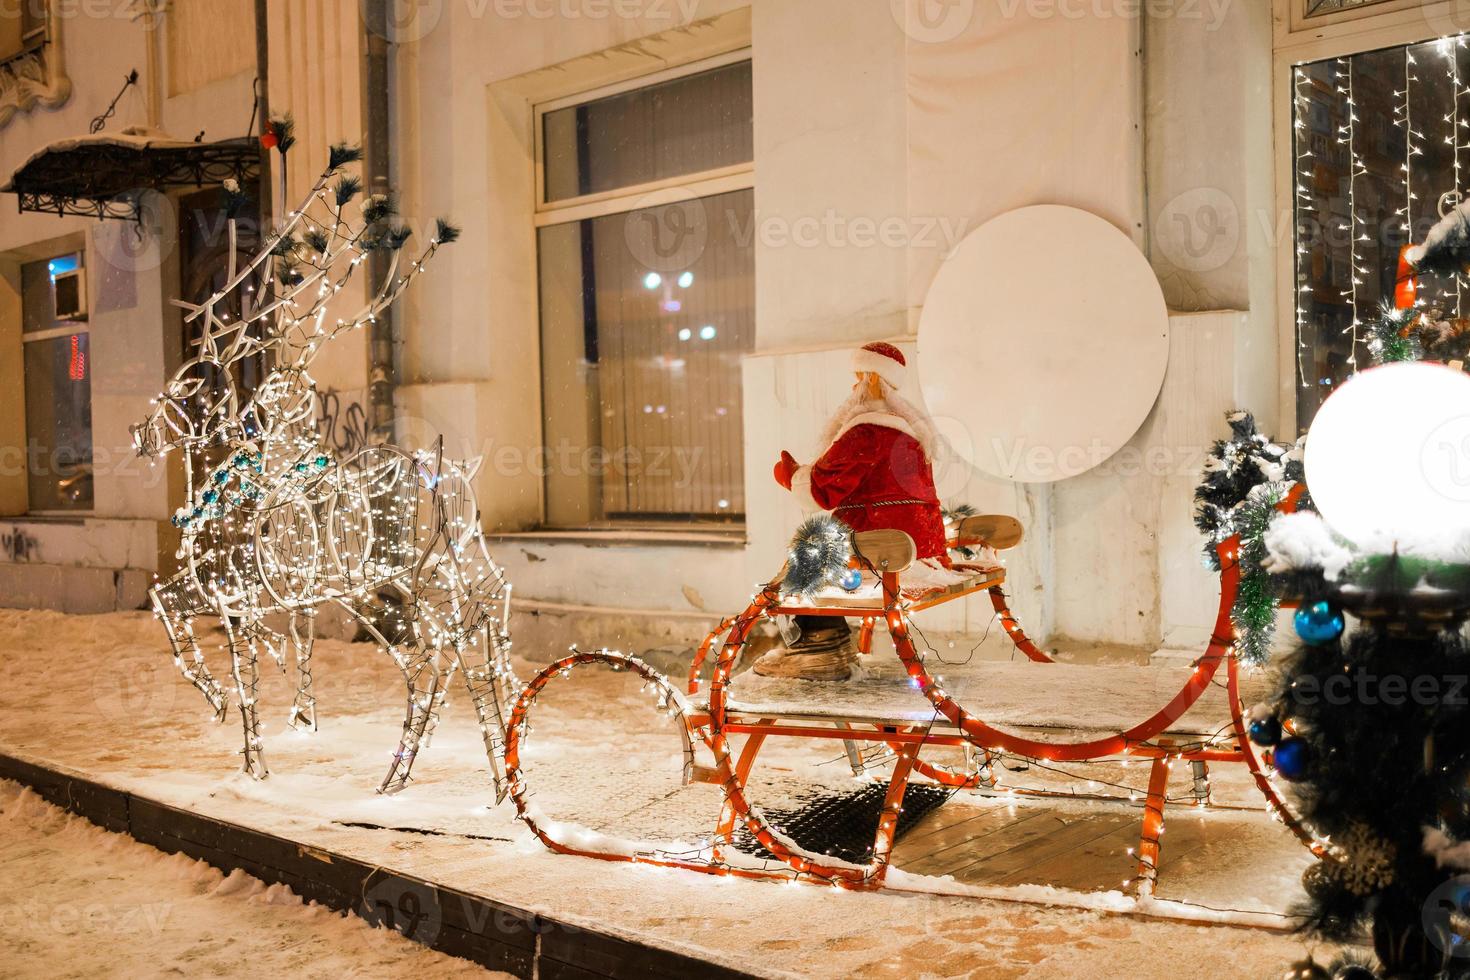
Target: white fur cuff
(869, 362)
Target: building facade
(679, 217)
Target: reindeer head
(276, 303)
(197, 407)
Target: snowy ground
(81, 902)
(100, 695)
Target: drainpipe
(263, 109)
(153, 93)
(377, 168)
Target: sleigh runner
(903, 710)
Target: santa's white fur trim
(885, 419)
(801, 488)
(893, 412)
(865, 361)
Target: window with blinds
(647, 288)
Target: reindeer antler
(318, 247)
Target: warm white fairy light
(276, 524)
(1347, 135)
(1449, 47)
(1302, 173)
(1404, 116)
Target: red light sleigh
(908, 709)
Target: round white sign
(1044, 336)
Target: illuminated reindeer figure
(276, 526)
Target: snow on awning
(102, 175)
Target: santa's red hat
(884, 360)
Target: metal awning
(102, 175)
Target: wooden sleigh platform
(1032, 709)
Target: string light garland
(705, 727)
(1345, 78)
(1449, 47)
(276, 523)
(1303, 194)
(1347, 135)
(1404, 116)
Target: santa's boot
(824, 652)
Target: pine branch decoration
(283, 128)
(341, 154)
(316, 239)
(444, 232)
(378, 207)
(348, 186)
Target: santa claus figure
(875, 471)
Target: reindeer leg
(246, 671)
(187, 655)
(303, 638)
(423, 677)
(484, 678)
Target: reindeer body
(276, 525)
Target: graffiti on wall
(18, 544)
(342, 421)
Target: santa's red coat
(876, 475)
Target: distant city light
(685, 333)
(707, 332)
(686, 279)
(652, 281)
(61, 265)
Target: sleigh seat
(1078, 700)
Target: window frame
(1298, 41)
(703, 183)
(51, 333)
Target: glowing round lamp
(1388, 456)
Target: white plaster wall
(105, 560)
(879, 142)
(879, 124)
(832, 151)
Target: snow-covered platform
(1016, 694)
(93, 712)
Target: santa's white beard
(858, 403)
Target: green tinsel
(1256, 602)
(1390, 337)
(1397, 574)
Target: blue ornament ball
(1318, 623)
(1460, 895)
(1265, 731)
(1290, 758)
(851, 579)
